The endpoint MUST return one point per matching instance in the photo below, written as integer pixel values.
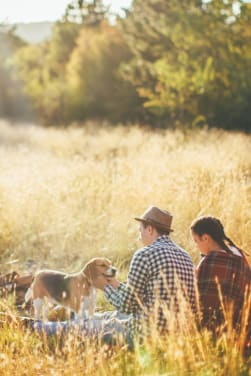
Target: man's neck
(155, 236)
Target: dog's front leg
(46, 308)
(92, 303)
(91, 311)
(38, 307)
(82, 313)
(88, 305)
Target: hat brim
(154, 223)
(140, 219)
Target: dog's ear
(90, 271)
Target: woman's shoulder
(223, 255)
(218, 261)
(216, 255)
(213, 260)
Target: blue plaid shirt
(156, 274)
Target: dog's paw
(58, 313)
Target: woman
(223, 276)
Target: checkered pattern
(157, 274)
(229, 274)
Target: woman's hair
(213, 227)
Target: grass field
(67, 195)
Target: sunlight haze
(16, 11)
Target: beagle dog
(72, 291)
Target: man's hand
(113, 282)
(100, 282)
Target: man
(159, 274)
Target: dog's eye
(103, 266)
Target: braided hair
(213, 227)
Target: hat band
(162, 225)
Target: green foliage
(191, 58)
(95, 87)
(75, 75)
(42, 69)
(168, 63)
(12, 99)
(61, 44)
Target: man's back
(158, 274)
(161, 274)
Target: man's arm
(129, 298)
(113, 294)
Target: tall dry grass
(67, 195)
(180, 353)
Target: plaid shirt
(156, 273)
(228, 275)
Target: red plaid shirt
(223, 277)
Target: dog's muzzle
(111, 272)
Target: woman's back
(224, 282)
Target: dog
(73, 291)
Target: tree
(42, 69)
(96, 89)
(87, 12)
(75, 75)
(191, 59)
(13, 102)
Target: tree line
(166, 63)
